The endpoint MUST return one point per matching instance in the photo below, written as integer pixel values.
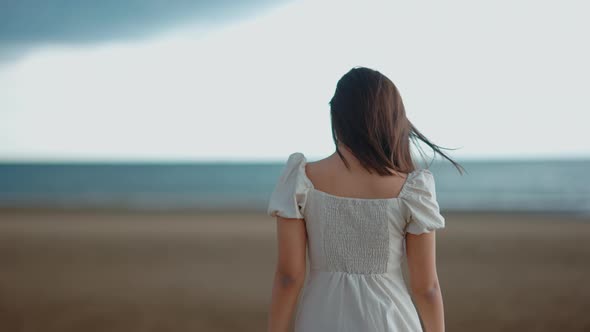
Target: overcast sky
(186, 80)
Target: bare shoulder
(321, 172)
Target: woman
(359, 212)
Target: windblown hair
(369, 117)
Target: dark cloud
(25, 24)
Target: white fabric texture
(356, 247)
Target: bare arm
(289, 273)
(421, 251)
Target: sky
(205, 80)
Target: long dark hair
(369, 117)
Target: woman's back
(330, 175)
(356, 229)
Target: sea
(546, 186)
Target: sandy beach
(115, 271)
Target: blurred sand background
(116, 271)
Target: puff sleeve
(423, 210)
(290, 193)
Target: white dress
(355, 248)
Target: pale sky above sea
(494, 79)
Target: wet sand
(113, 271)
